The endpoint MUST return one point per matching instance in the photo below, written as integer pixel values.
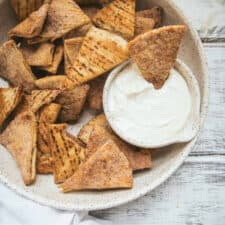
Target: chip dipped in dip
(146, 114)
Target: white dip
(144, 113)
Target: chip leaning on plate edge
(47, 93)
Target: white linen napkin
(15, 210)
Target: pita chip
(20, 139)
(155, 52)
(32, 25)
(117, 17)
(44, 163)
(23, 8)
(96, 92)
(71, 50)
(9, 99)
(108, 168)
(143, 25)
(138, 159)
(38, 55)
(57, 58)
(14, 68)
(59, 22)
(86, 130)
(58, 82)
(39, 98)
(72, 102)
(100, 52)
(154, 13)
(67, 153)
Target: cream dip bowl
(137, 125)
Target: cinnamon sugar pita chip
(155, 52)
(117, 17)
(107, 168)
(9, 99)
(100, 52)
(67, 153)
(32, 25)
(14, 68)
(20, 139)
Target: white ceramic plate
(166, 160)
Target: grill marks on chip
(117, 17)
(20, 138)
(14, 68)
(100, 52)
(107, 168)
(67, 153)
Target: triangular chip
(67, 153)
(9, 99)
(155, 52)
(72, 102)
(23, 8)
(100, 52)
(39, 98)
(59, 22)
(96, 92)
(44, 163)
(71, 50)
(108, 168)
(143, 25)
(20, 139)
(47, 116)
(87, 2)
(32, 25)
(14, 68)
(138, 159)
(154, 13)
(58, 82)
(117, 17)
(86, 130)
(38, 55)
(57, 58)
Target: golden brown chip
(143, 25)
(58, 82)
(14, 68)
(100, 52)
(44, 164)
(23, 8)
(96, 92)
(155, 13)
(32, 25)
(108, 168)
(57, 58)
(39, 98)
(67, 153)
(9, 99)
(38, 55)
(71, 50)
(90, 11)
(138, 159)
(117, 17)
(155, 52)
(72, 102)
(20, 139)
(59, 22)
(86, 130)
(47, 116)
(79, 32)
(87, 2)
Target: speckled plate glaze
(165, 162)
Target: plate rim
(204, 110)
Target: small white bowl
(191, 126)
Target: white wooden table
(195, 194)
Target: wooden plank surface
(195, 194)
